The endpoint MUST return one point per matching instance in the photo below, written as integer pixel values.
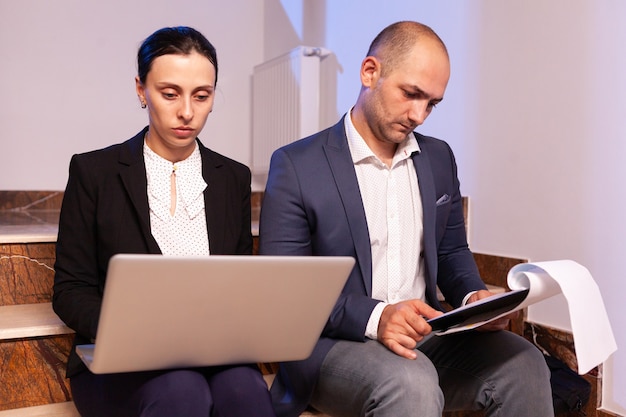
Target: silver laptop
(162, 312)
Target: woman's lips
(183, 132)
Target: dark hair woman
(150, 194)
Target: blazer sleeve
(78, 284)
(302, 215)
(100, 217)
(457, 272)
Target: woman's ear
(141, 94)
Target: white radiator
(293, 96)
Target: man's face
(400, 101)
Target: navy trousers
(222, 391)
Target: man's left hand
(500, 324)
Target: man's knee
(527, 362)
(524, 387)
(366, 379)
(415, 383)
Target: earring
(143, 105)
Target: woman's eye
(169, 96)
(203, 95)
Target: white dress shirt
(184, 233)
(393, 208)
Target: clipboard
(478, 312)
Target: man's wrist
(371, 330)
(467, 297)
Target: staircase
(34, 343)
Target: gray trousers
(499, 372)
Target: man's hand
(499, 324)
(402, 325)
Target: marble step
(30, 320)
(34, 345)
(64, 409)
(26, 272)
(67, 409)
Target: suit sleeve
(77, 289)
(283, 227)
(298, 218)
(457, 272)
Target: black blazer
(105, 211)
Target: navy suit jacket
(105, 211)
(312, 206)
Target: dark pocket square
(443, 200)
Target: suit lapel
(212, 208)
(427, 192)
(133, 174)
(340, 161)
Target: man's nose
(419, 111)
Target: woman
(160, 192)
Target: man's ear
(370, 71)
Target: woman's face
(179, 92)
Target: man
(371, 188)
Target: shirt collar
(361, 152)
(190, 184)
